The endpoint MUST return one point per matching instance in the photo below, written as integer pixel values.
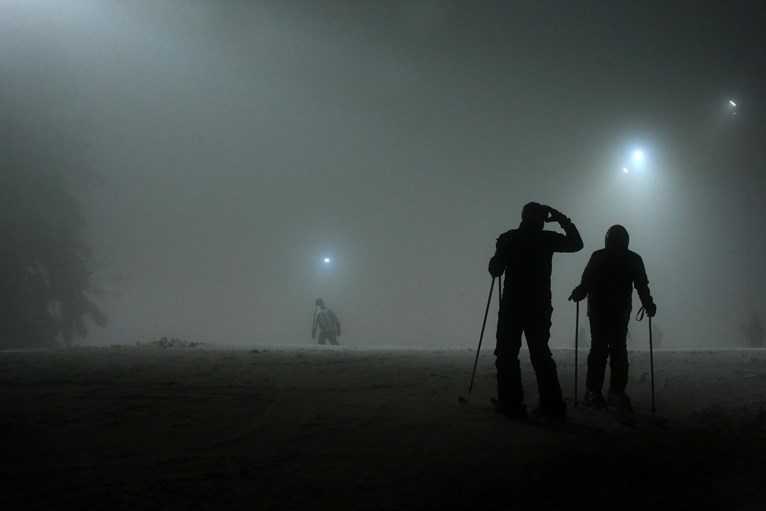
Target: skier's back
(608, 281)
(327, 322)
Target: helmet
(617, 238)
(319, 302)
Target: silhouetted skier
(608, 281)
(525, 255)
(328, 323)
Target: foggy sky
(234, 145)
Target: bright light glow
(732, 103)
(635, 160)
(326, 259)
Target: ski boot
(595, 399)
(619, 401)
(512, 411)
(557, 413)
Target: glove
(651, 309)
(555, 215)
(496, 268)
(578, 294)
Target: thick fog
(232, 146)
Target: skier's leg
(599, 351)
(333, 339)
(618, 354)
(538, 332)
(322, 337)
(510, 393)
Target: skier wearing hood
(608, 281)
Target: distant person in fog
(327, 322)
(608, 281)
(753, 331)
(525, 256)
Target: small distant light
(327, 259)
(732, 103)
(625, 169)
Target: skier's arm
(641, 283)
(571, 241)
(497, 262)
(336, 321)
(314, 327)
(583, 289)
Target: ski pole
(481, 336)
(639, 317)
(577, 330)
(651, 362)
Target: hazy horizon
(233, 146)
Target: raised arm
(571, 240)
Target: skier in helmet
(608, 281)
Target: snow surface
(313, 427)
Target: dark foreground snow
(342, 428)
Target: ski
(631, 419)
(555, 424)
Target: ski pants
(324, 337)
(608, 340)
(535, 323)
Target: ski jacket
(326, 320)
(525, 256)
(609, 279)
